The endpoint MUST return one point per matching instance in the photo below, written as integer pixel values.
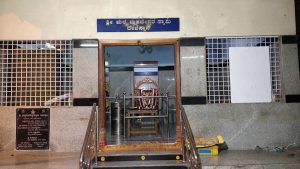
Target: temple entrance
(140, 90)
(140, 122)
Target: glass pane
(140, 94)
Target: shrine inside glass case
(140, 94)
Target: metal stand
(165, 101)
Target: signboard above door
(137, 24)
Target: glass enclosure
(140, 94)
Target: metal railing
(89, 150)
(190, 154)
(164, 101)
(88, 155)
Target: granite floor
(226, 160)
(38, 160)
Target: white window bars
(218, 72)
(35, 72)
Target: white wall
(67, 19)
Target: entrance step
(138, 157)
(141, 161)
(153, 164)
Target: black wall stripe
(292, 98)
(289, 39)
(193, 100)
(116, 69)
(85, 43)
(85, 101)
(192, 41)
(166, 68)
(145, 73)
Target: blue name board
(138, 25)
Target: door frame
(103, 148)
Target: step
(153, 164)
(138, 157)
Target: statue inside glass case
(141, 95)
(146, 103)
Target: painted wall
(67, 19)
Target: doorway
(139, 91)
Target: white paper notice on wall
(250, 77)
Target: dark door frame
(101, 109)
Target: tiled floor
(226, 160)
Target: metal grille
(36, 73)
(218, 72)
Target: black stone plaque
(33, 128)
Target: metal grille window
(218, 73)
(36, 73)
